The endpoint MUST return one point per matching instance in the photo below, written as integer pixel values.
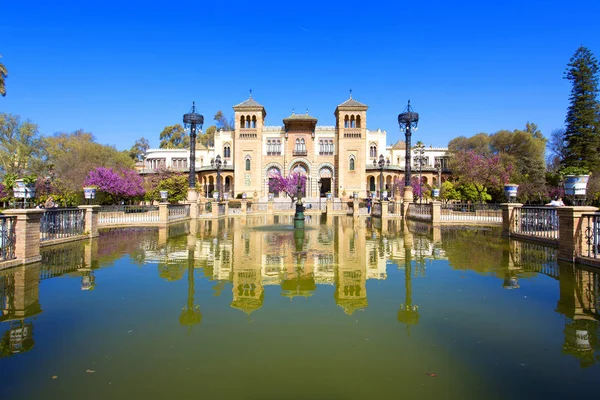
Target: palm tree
(3, 74)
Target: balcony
(326, 153)
(299, 152)
(273, 153)
(352, 133)
(248, 133)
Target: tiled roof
(300, 117)
(400, 145)
(250, 103)
(352, 103)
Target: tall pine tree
(582, 132)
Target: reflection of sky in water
(340, 310)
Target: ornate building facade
(336, 159)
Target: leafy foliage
(71, 156)
(174, 137)
(21, 149)
(175, 183)
(480, 171)
(138, 149)
(582, 133)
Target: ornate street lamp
(408, 121)
(218, 164)
(381, 164)
(320, 185)
(420, 157)
(438, 167)
(193, 120)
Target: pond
(248, 308)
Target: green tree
(3, 76)
(174, 137)
(582, 132)
(222, 123)
(74, 155)
(21, 147)
(556, 149)
(208, 137)
(448, 192)
(138, 149)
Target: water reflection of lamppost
(408, 313)
(420, 158)
(190, 315)
(218, 164)
(381, 164)
(193, 120)
(408, 120)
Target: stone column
(328, 206)
(407, 199)
(244, 207)
(215, 209)
(226, 207)
(355, 208)
(27, 231)
(385, 208)
(91, 219)
(571, 231)
(163, 213)
(193, 209)
(508, 216)
(436, 212)
(270, 206)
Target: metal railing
(178, 211)
(420, 211)
(591, 232)
(536, 221)
(126, 214)
(61, 223)
(470, 212)
(7, 237)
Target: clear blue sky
(126, 69)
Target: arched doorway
(271, 176)
(301, 168)
(325, 180)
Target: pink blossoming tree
(121, 185)
(287, 184)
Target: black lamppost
(320, 185)
(217, 164)
(192, 120)
(420, 157)
(408, 120)
(382, 163)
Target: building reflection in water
(346, 253)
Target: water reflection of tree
(135, 241)
(474, 248)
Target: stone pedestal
(244, 207)
(328, 206)
(508, 216)
(192, 196)
(436, 212)
(407, 199)
(355, 208)
(91, 219)
(571, 231)
(163, 213)
(193, 209)
(27, 231)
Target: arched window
(351, 166)
(346, 122)
(247, 121)
(254, 121)
(321, 147)
(227, 151)
(242, 122)
(297, 148)
(331, 146)
(278, 149)
(302, 145)
(269, 147)
(373, 151)
(248, 163)
(358, 121)
(352, 122)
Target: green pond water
(247, 308)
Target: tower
(351, 136)
(247, 159)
